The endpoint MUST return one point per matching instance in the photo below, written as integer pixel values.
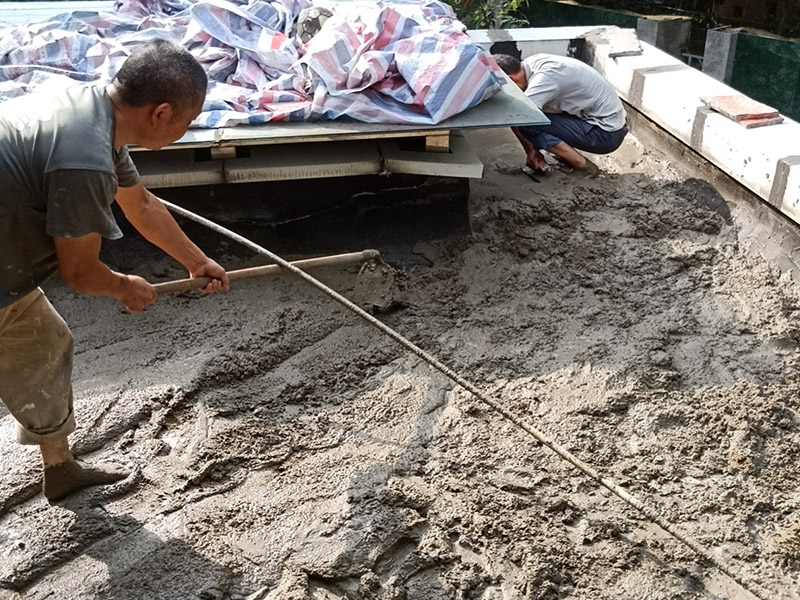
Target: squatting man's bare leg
(535, 159)
(575, 159)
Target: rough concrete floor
(283, 449)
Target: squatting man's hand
(535, 160)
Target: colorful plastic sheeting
(408, 61)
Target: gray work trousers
(36, 369)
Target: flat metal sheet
(509, 108)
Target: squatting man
(584, 111)
(63, 162)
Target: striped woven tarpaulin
(406, 61)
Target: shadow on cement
(134, 562)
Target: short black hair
(509, 64)
(161, 71)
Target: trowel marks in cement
(287, 450)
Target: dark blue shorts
(576, 132)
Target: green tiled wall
(768, 70)
(553, 14)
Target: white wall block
(786, 188)
(791, 197)
(671, 96)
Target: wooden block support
(218, 152)
(308, 161)
(438, 143)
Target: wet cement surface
(284, 449)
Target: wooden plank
(739, 107)
(461, 161)
(177, 169)
(305, 161)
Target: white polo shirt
(558, 84)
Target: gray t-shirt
(59, 173)
(559, 84)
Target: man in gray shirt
(584, 111)
(63, 161)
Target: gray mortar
(283, 449)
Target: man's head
(164, 83)
(512, 67)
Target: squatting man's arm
(534, 158)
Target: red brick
(750, 123)
(740, 108)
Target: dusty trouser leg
(36, 370)
(35, 385)
(567, 132)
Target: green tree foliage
(490, 14)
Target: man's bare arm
(80, 267)
(533, 158)
(522, 140)
(151, 218)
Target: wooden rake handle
(185, 285)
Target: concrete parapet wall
(763, 159)
(766, 160)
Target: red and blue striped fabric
(406, 61)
